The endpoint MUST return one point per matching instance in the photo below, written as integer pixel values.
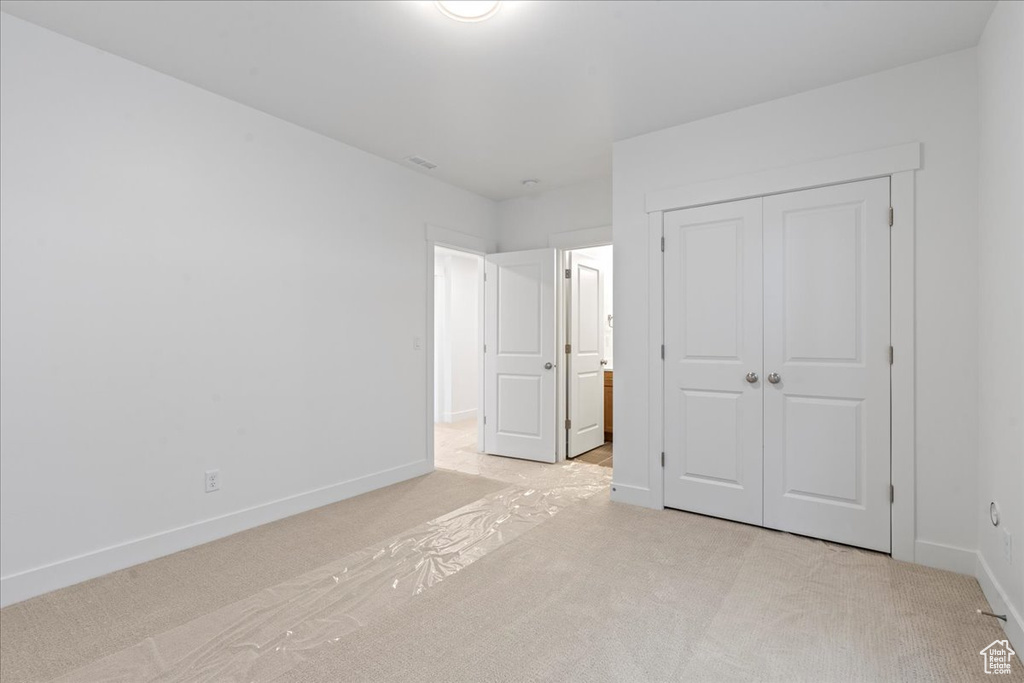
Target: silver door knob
(604, 362)
(751, 377)
(774, 378)
(548, 366)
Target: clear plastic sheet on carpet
(264, 635)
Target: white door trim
(581, 239)
(437, 236)
(900, 163)
(844, 169)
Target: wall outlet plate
(212, 480)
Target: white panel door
(826, 396)
(713, 339)
(520, 355)
(586, 355)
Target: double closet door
(777, 362)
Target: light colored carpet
(47, 636)
(455, 448)
(597, 592)
(608, 592)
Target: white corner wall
(1001, 312)
(527, 222)
(933, 102)
(190, 284)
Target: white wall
(190, 284)
(527, 222)
(1001, 310)
(934, 102)
(457, 342)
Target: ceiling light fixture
(468, 10)
(530, 182)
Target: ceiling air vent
(420, 161)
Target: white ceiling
(539, 91)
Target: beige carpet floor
(597, 592)
(609, 592)
(455, 448)
(56, 633)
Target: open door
(520, 352)
(585, 355)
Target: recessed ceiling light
(530, 182)
(468, 10)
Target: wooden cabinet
(607, 405)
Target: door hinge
(485, 277)
(485, 348)
(568, 273)
(568, 424)
(891, 216)
(892, 493)
(568, 349)
(892, 354)
(663, 458)
(663, 243)
(485, 419)
(663, 352)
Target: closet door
(826, 359)
(713, 451)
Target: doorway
(537, 346)
(457, 355)
(589, 324)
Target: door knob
(751, 377)
(774, 378)
(604, 362)
(548, 366)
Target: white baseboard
(948, 557)
(457, 415)
(996, 596)
(24, 585)
(633, 495)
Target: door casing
(437, 236)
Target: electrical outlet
(417, 343)
(1007, 546)
(212, 480)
